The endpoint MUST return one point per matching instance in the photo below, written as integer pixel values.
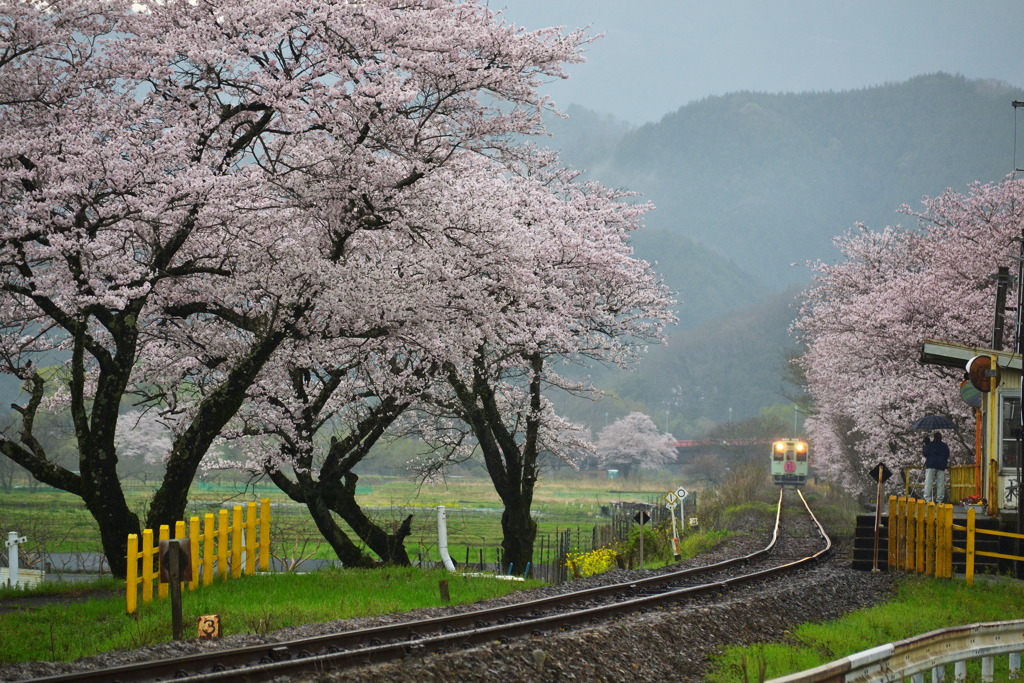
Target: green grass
(53, 632)
(922, 604)
(63, 589)
(55, 521)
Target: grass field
(55, 521)
(922, 604)
(53, 631)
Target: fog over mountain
(767, 181)
(656, 56)
(750, 186)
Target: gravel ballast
(674, 643)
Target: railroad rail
(801, 541)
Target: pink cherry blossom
(866, 317)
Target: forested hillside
(767, 180)
(749, 186)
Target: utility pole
(1017, 104)
(1002, 279)
(1020, 426)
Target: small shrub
(692, 545)
(583, 564)
(657, 546)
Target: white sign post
(13, 541)
(671, 498)
(681, 493)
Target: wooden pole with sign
(670, 498)
(675, 536)
(880, 473)
(878, 519)
(175, 567)
(174, 572)
(642, 520)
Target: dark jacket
(936, 455)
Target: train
(791, 459)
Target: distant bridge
(704, 443)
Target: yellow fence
(227, 547)
(921, 538)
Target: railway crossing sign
(880, 472)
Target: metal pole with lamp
(1020, 425)
(1017, 104)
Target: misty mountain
(748, 184)
(767, 180)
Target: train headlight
(801, 447)
(779, 446)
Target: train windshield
(801, 452)
(779, 452)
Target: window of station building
(1011, 430)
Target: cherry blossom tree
(865, 318)
(184, 186)
(534, 265)
(564, 287)
(634, 441)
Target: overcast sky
(658, 55)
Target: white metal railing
(929, 652)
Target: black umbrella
(930, 422)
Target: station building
(992, 386)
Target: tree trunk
(511, 462)
(390, 548)
(347, 551)
(307, 492)
(215, 410)
(519, 532)
(116, 521)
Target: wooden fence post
(165, 535)
(236, 542)
(193, 536)
(265, 535)
(147, 565)
(132, 579)
(209, 553)
(222, 543)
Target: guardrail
(932, 652)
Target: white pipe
(442, 538)
(13, 541)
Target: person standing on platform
(936, 459)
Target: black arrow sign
(880, 472)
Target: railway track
(797, 540)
